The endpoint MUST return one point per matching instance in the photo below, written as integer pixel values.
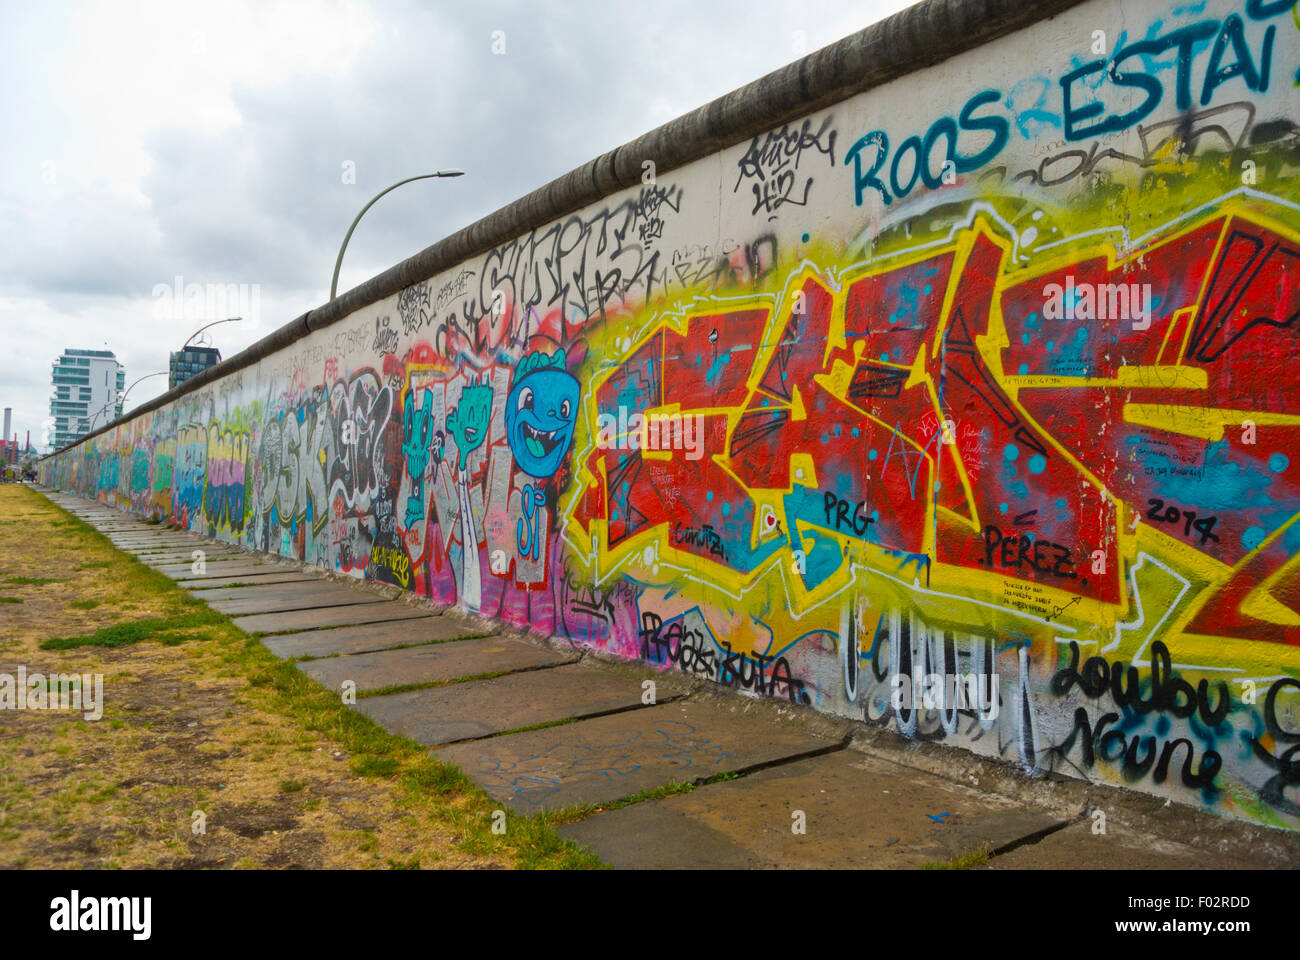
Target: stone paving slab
(148, 533)
(463, 710)
(257, 579)
(187, 556)
(154, 544)
(223, 568)
(209, 559)
(299, 588)
(148, 553)
(293, 596)
(433, 662)
(171, 560)
(859, 812)
(329, 617)
(128, 542)
(604, 759)
(159, 548)
(143, 533)
(369, 637)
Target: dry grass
(197, 717)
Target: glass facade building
(187, 362)
(87, 393)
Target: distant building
(87, 393)
(13, 451)
(189, 361)
(8, 447)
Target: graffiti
(1167, 693)
(1124, 685)
(651, 205)
(592, 613)
(686, 646)
(768, 676)
(386, 338)
(227, 459)
(527, 529)
(324, 447)
(773, 164)
(417, 449)
(1013, 432)
(1112, 745)
(727, 265)
(1040, 555)
(1172, 514)
(858, 523)
(1083, 110)
(584, 267)
(395, 562)
(413, 305)
(467, 425)
(191, 467)
(540, 413)
(676, 644)
(1273, 792)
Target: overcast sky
(151, 140)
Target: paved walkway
(545, 727)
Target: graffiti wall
(966, 407)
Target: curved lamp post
(160, 373)
(334, 283)
(122, 398)
(201, 329)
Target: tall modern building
(190, 360)
(87, 393)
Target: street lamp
(334, 283)
(122, 398)
(213, 324)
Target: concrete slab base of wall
(1079, 847)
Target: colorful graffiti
(982, 429)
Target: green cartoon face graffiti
(468, 422)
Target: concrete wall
(983, 372)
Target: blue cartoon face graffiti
(540, 413)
